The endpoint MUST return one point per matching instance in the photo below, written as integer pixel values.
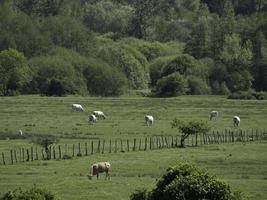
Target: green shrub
(171, 86)
(103, 80)
(248, 95)
(31, 194)
(197, 86)
(187, 182)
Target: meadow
(243, 165)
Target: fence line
(154, 142)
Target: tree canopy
(219, 46)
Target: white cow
(92, 118)
(236, 121)
(77, 107)
(149, 120)
(100, 168)
(213, 115)
(99, 114)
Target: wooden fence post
(196, 139)
(145, 144)
(11, 156)
(36, 153)
(31, 153)
(3, 158)
(79, 149)
(43, 156)
(54, 153)
(92, 147)
(15, 155)
(140, 144)
(128, 146)
(28, 155)
(59, 152)
(122, 150)
(98, 146)
(103, 146)
(86, 149)
(23, 155)
(116, 145)
(166, 142)
(110, 146)
(73, 150)
(134, 144)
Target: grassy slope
(37, 115)
(245, 169)
(241, 165)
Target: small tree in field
(188, 182)
(189, 128)
(46, 141)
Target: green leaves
(14, 72)
(188, 182)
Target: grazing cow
(92, 118)
(100, 168)
(99, 114)
(77, 107)
(149, 120)
(213, 115)
(236, 121)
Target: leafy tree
(180, 64)
(259, 68)
(188, 182)
(128, 60)
(19, 31)
(237, 60)
(46, 141)
(67, 32)
(189, 128)
(171, 86)
(106, 16)
(14, 72)
(199, 45)
(58, 74)
(197, 86)
(103, 80)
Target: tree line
(108, 47)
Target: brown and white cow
(100, 167)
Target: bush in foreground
(187, 182)
(31, 194)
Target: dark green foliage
(102, 80)
(197, 86)
(127, 60)
(187, 182)
(59, 73)
(14, 72)
(106, 16)
(146, 40)
(248, 95)
(180, 64)
(171, 86)
(31, 194)
(189, 128)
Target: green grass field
(53, 115)
(241, 165)
(244, 166)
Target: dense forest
(111, 47)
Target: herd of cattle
(149, 120)
(96, 115)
